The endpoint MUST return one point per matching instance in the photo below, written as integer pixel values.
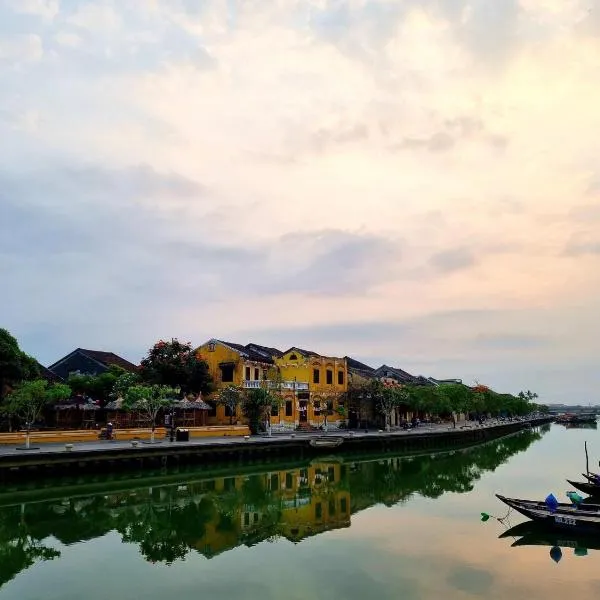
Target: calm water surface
(379, 527)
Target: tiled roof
(251, 354)
(301, 351)
(109, 358)
(48, 375)
(264, 349)
(397, 373)
(357, 365)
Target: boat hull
(591, 489)
(566, 516)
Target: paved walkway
(104, 445)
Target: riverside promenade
(110, 455)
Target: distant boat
(585, 517)
(326, 442)
(577, 418)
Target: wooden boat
(585, 517)
(591, 489)
(326, 442)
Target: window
(293, 357)
(213, 409)
(331, 507)
(331, 474)
(256, 374)
(229, 411)
(316, 375)
(343, 505)
(227, 373)
(340, 377)
(329, 377)
(256, 517)
(247, 375)
(211, 346)
(289, 481)
(229, 484)
(318, 511)
(289, 408)
(275, 410)
(275, 481)
(246, 519)
(317, 407)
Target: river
(374, 527)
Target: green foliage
(29, 398)
(176, 365)
(149, 398)
(15, 365)
(231, 397)
(257, 405)
(123, 383)
(98, 387)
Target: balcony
(298, 386)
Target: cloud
(72, 40)
(454, 259)
(306, 168)
(46, 9)
(581, 245)
(21, 48)
(95, 17)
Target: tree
(29, 398)
(98, 387)
(149, 399)
(231, 397)
(175, 364)
(388, 399)
(123, 383)
(257, 405)
(15, 365)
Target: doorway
(303, 411)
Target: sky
(410, 182)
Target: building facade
(312, 387)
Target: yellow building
(320, 386)
(312, 387)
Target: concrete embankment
(103, 456)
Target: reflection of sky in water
(418, 550)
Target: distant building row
(311, 385)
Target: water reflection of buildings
(216, 514)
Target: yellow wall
(216, 353)
(295, 376)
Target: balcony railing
(286, 385)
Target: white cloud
(378, 120)
(46, 9)
(71, 40)
(95, 17)
(22, 48)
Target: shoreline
(109, 456)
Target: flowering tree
(29, 398)
(149, 399)
(175, 364)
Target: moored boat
(591, 489)
(584, 517)
(326, 442)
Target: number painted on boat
(564, 521)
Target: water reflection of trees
(211, 516)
